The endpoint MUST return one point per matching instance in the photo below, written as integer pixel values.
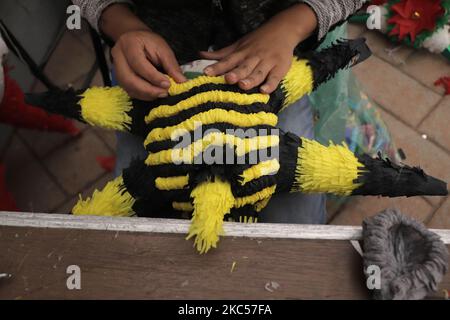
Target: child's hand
(264, 55)
(136, 55)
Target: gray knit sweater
(328, 12)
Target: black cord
(100, 55)
(18, 50)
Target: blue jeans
(283, 208)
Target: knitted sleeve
(331, 12)
(92, 9)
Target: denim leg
(128, 147)
(296, 207)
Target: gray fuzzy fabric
(412, 259)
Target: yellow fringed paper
(183, 206)
(298, 82)
(322, 169)
(256, 197)
(186, 155)
(264, 168)
(172, 183)
(239, 99)
(211, 117)
(212, 201)
(179, 88)
(106, 107)
(246, 219)
(260, 205)
(111, 201)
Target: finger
(132, 83)
(171, 66)
(225, 65)
(140, 89)
(218, 54)
(138, 62)
(243, 70)
(273, 80)
(257, 76)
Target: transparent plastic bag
(344, 113)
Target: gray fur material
(412, 259)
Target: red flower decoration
(445, 82)
(414, 16)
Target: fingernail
(162, 95)
(207, 71)
(231, 78)
(264, 88)
(245, 82)
(165, 84)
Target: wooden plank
(128, 265)
(266, 230)
(157, 262)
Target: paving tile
(45, 142)
(5, 136)
(27, 180)
(38, 87)
(441, 219)
(97, 80)
(436, 125)
(99, 184)
(395, 91)
(75, 165)
(70, 60)
(108, 136)
(419, 151)
(82, 34)
(427, 67)
(81, 83)
(354, 30)
(383, 48)
(361, 207)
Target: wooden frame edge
(253, 230)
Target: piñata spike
(335, 169)
(212, 201)
(103, 107)
(113, 200)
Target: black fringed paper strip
(382, 177)
(60, 102)
(329, 61)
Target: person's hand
(136, 56)
(264, 55)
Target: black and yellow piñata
(253, 160)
